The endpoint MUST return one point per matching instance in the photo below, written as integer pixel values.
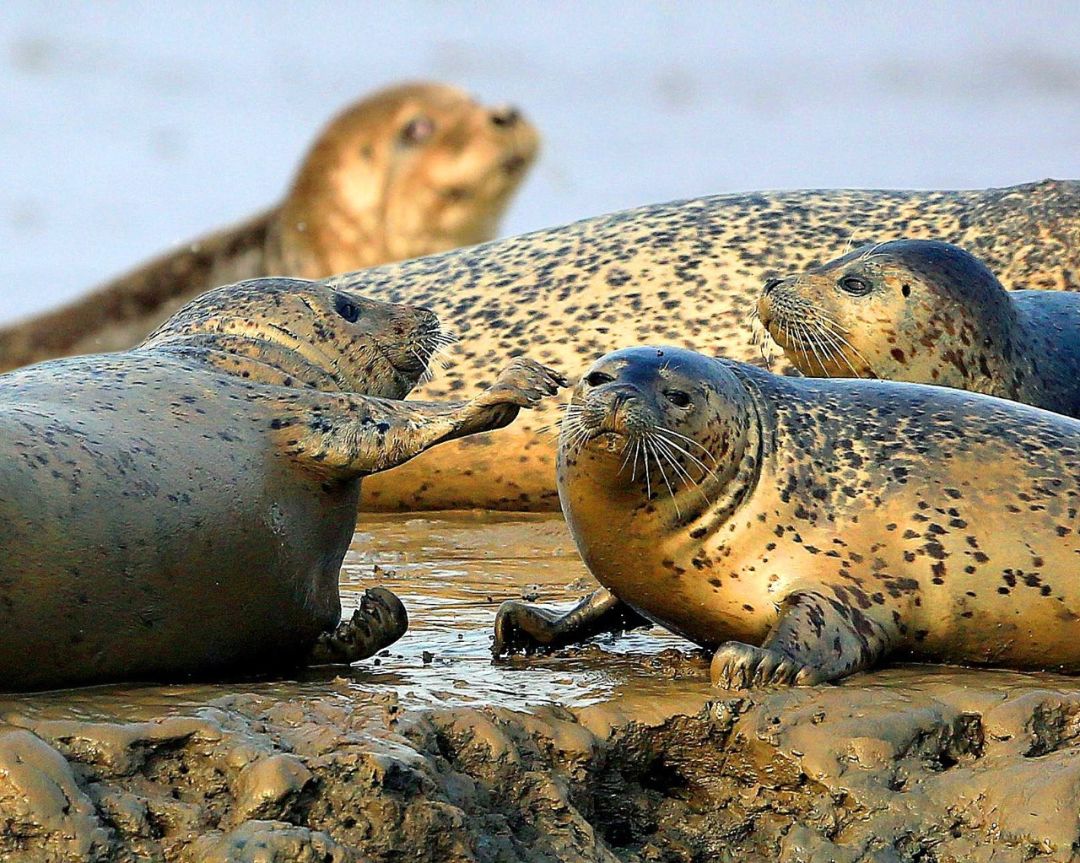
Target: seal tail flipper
(380, 620)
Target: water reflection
(451, 571)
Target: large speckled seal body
(184, 507)
(928, 312)
(411, 170)
(687, 273)
(808, 528)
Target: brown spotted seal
(928, 312)
(685, 273)
(411, 170)
(810, 528)
(183, 508)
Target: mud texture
(908, 764)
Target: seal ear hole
(595, 379)
(346, 308)
(678, 398)
(855, 286)
(906, 290)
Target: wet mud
(616, 751)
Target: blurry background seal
(411, 170)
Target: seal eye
(855, 286)
(346, 308)
(596, 379)
(418, 130)
(678, 398)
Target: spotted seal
(686, 273)
(832, 522)
(411, 170)
(928, 312)
(183, 508)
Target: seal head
(658, 443)
(315, 334)
(925, 311)
(413, 170)
(912, 310)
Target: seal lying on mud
(409, 171)
(834, 523)
(928, 312)
(684, 273)
(183, 508)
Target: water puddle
(452, 571)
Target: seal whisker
(706, 470)
(664, 448)
(838, 343)
(690, 440)
(626, 456)
(809, 334)
(649, 442)
(843, 342)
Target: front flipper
(380, 620)
(815, 640)
(351, 435)
(522, 628)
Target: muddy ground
(436, 754)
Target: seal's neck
(257, 360)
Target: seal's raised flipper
(522, 628)
(816, 639)
(380, 620)
(354, 435)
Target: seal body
(182, 509)
(687, 273)
(411, 170)
(808, 528)
(928, 312)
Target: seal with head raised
(411, 170)
(808, 528)
(182, 509)
(928, 312)
(686, 273)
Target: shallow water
(451, 571)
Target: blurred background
(129, 127)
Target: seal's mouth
(413, 362)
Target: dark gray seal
(183, 508)
(807, 528)
(928, 312)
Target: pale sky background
(128, 127)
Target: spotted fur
(183, 508)
(824, 525)
(411, 170)
(928, 312)
(686, 273)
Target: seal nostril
(505, 116)
(771, 284)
